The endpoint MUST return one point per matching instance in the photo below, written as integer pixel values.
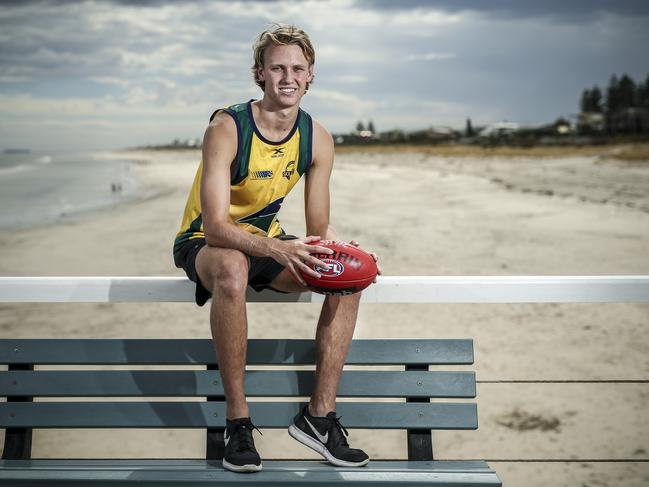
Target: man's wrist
(330, 234)
(272, 247)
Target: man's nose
(288, 75)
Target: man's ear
(310, 76)
(260, 73)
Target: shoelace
(245, 441)
(343, 438)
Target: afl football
(349, 269)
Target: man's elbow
(322, 229)
(214, 233)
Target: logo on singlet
(290, 169)
(278, 152)
(264, 174)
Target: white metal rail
(392, 289)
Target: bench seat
(393, 384)
(276, 472)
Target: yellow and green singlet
(262, 174)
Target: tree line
(360, 127)
(624, 104)
(620, 93)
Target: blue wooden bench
(415, 385)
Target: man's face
(285, 73)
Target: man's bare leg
(225, 273)
(333, 337)
(315, 428)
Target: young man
(253, 154)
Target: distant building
(591, 123)
(499, 130)
(435, 134)
(392, 136)
(562, 127)
(632, 120)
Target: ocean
(39, 188)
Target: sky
(115, 74)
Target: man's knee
(348, 302)
(223, 271)
(347, 299)
(285, 282)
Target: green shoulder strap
(244, 141)
(305, 127)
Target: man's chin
(287, 101)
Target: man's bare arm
(219, 150)
(316, 189)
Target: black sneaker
(328, 437)
(240, 452)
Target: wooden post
(215, 443)
(420, 442)
(18, 441)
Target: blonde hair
(281, 35)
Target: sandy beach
(424, 214)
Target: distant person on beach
(230, 238)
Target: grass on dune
(624, 152)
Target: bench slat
(201, 351)
(212, 414)
(208, 383)
(276, 472)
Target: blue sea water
(38, 188)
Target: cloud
(102, 39)
(402, 64)
(137, 101)
(558, 10)
(338, 99)
(110, 80)
(430, 56)
(12, 78)
(349, 79)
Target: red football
(350, 269)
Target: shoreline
(119, 184)
(154, 177)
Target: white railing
(393, 289)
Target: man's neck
(273, 121)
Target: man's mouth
(288, 91)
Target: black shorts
(262, 270)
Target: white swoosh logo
(226, 439)
(322, 438)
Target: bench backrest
(414, 382)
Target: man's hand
(376, 259)
(296, 256)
